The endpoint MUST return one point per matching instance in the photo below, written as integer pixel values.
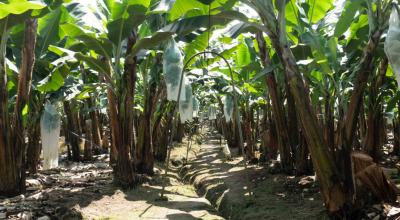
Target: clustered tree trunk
(72, 130)
(316, 135)
(280, 123)
(120, 107)
(33, 132)
(12, 130)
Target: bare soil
(208, 186)
(86, 191)
(254, 193)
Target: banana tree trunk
(165, 125)
(330, 184)
(34, 147)
(180, 131)
(88, 150)
(375, 118)
(292, 126)
(248, 134)
(353, 110)
(144, 160)
(12, 137)
(396, 134)
(95, 128)
(326, 170)
(120, 108)
(303, 164)
(329, 127)
(277, 109)
(73, 131)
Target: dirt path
(142, 203)
(85, 191)
(228, 185)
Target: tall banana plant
(12, 124)
(281, 22)
(111, 51)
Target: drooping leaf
(18, 7)
(184, 27)
(243, 57)
(199, 44)
(101, 46)
(126, 16)
(318, 9)
(48, 28)
(347, 16)
(51, 83)
(93, 63)
(191, 8)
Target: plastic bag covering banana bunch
(186, 106)
(196, 108)
(50, 132)
(203, 115)
(172, 66)
(392, 43)
(228, 107)
(212, 113)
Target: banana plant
(16, 16)
(281, 30)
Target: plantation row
(311, 81)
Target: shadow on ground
(248, 194)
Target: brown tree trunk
(328, 176)
(362, 128)
(353, 110)
(277, 109)
(180, 130)
(144, 160)
(12, 143)
(72, 130)
(95, 128)
(303, 164)
(158, 137)
(375, 118)
(248, 134)
(120, 108)
(8, 182)
(88, 150)
(329, 124)
(114, 126)
(165, 125)
(293, 127)
(105, 140)
(144, 154)
(396, 135)
(269, 140)
(326, 170)
(34, 147)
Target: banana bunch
(392, 43)
(172, 67)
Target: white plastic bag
(50, 133)
(392, 43)
(228, 107)
(226, 151)
(186, 106)
(196, 108)
(172, 67)
(202, 116)
(212, 113)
